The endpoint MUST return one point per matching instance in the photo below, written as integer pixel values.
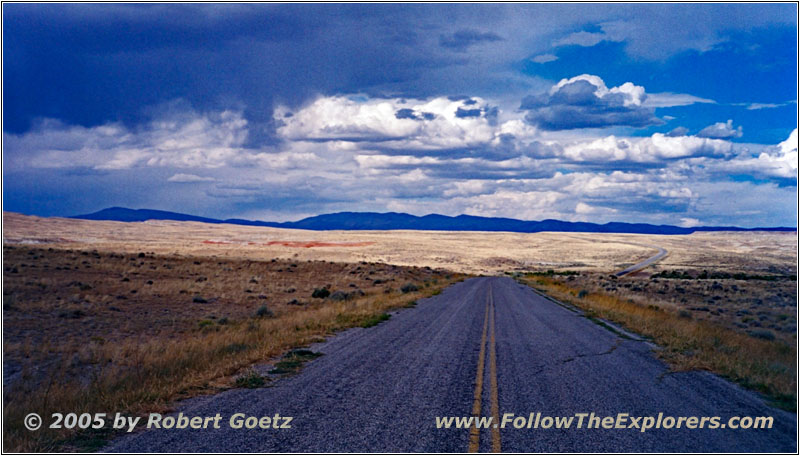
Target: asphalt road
(487, 346)
(643, 264)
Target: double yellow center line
(475, 432)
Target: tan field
(131, 316)
(743, 305)
(467, 252)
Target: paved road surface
(486, 345)
(643, 264)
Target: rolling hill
(431, 222)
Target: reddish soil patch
(310, 244)
(300, 244)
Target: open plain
(467, 252)
(142, 314)
(762, 298)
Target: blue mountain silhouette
(431, 222)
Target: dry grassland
(98, 331)
(763, 305)
(467, 252)
(102, 316)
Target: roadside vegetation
(755, 359)
(714, 275)
(85, 340)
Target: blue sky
(675, 113)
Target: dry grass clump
(755, 304)
(767, 366)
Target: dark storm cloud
(407, 113)
(464, 113)
(463, 39)
(92, 64)
(577, 105)
(489, 112)
(89, 64)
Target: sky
(681, 114)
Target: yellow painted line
(493, 379)
(474, 432)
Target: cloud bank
(555, 156)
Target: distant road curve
(641, 265)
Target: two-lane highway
(484, 347)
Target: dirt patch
(295, 244)
(310, 244)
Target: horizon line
(228, 219)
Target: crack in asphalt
(542, 368)
(589, 355)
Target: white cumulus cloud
(633, 95)
(779, 161)
(189, 178)
(438, 123)
(655, 148)
(584, 101)
(184, 140)
(721, 130)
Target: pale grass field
(467, 252)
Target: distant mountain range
(432, 222)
